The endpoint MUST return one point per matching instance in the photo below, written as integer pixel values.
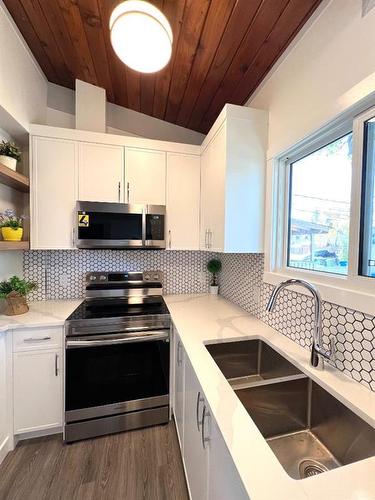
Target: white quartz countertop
(41, 314)
(202, 319)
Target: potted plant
(214, 267)
(14, 292)
(9, 154)
(11, 225)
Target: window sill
(338, 293)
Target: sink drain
(309, 468)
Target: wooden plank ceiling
(222, 51)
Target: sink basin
(307, 428)
(249, 362)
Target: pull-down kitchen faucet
(317, 351)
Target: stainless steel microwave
(119, 225)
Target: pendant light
(141, 36)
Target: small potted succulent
(14, 292)
(9, 154)
(11, 225)
(214, 267)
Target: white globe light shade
(141, 36)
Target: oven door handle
(125, 339)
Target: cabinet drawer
(37, 338)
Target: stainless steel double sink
(307, 428)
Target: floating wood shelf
(14, 179)
(14, 245)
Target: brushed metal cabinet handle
(170, 239)
(200, 400)
(179, 353)
(119, 191)
(56, 365)
(205, 439)
(36, 339)
(128, 191)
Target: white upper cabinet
(145, 176)
(54, 190)
(233, 181)
(101, 172)
(213, 193)
(183, 200)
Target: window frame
(351, 290)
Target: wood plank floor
(138, 465)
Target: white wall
(23, 87)
(120, 120)
(331, 67)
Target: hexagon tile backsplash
(60, 275)
(241, 282)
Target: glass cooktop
(117, 308)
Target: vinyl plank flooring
(139, 465)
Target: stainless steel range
(117, 356)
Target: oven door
(116, 373)
(109, 225)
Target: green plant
(16, 284)
(214, 267)
(8, 218)
(10, 149)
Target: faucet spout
(317, 351)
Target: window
(367, 236)
(319, 208)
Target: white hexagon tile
(353, 331)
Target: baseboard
(36, 434)
(5, 448)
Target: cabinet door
(145, 173)
(216, 191)
(183, 200)
(37, 390)
(54, 192)
(195, 455)
(224, 480)
(101, 172)
(5, 397)
(205, 221)
(179, 387)
(213, 164)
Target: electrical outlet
(202, 278)
(256, 294)
(63, 280)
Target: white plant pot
(8, 162)
(214, 289)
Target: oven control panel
(124, 277)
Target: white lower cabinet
(37, 379)
(194, 452)
(210, 471)
(179, 385)
(224, 482)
